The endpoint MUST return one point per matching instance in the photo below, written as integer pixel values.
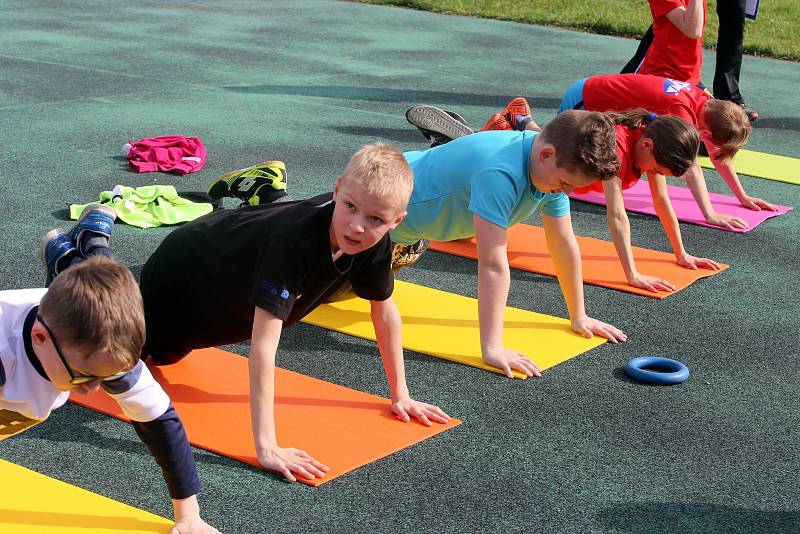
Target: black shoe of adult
(752, 115)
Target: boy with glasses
(85, 332)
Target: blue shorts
(573, 98)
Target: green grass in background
(775, 33)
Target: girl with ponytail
(723, 125)
(658, 146)
(646, 143)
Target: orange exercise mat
(527, 251)
(342, 428)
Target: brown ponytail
(675, 142)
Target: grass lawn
(775, 33)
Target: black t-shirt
(201, 285)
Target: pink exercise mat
(638, 200)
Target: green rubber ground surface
(582, 449)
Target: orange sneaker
(517, 106)
(497, 122)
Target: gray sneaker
(436, 124)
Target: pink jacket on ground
(169, 153)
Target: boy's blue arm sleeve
(556, 205)
(167, 441)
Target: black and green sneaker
(260, 184)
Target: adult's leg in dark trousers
(730, 46)
(638, 57)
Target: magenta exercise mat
(638, 200)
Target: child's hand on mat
(690, 262)
(727, 221)
(290, 462)
(757, 204)
(507, 359)
(586, 326)
(187, 517)
(405, 408)
(192, 524)
(651, 283)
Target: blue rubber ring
(657, 370)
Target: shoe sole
(456, 116)
(43, 245)
(45, 240)
(436, 120)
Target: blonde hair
(96, 306)
(381, 170)
(729, 126)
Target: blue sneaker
(56, 244)
(96, 218)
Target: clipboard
(751, 9)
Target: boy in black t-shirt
(247, 273)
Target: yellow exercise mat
(445, 325)
(762, 165)
(30, 502)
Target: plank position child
(246, 273)
(85, 332)
(645, 143)
(480, 185)
(723, 126)
(676, 49)
(658, 146)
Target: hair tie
(650, 118)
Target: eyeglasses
(75, 379)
